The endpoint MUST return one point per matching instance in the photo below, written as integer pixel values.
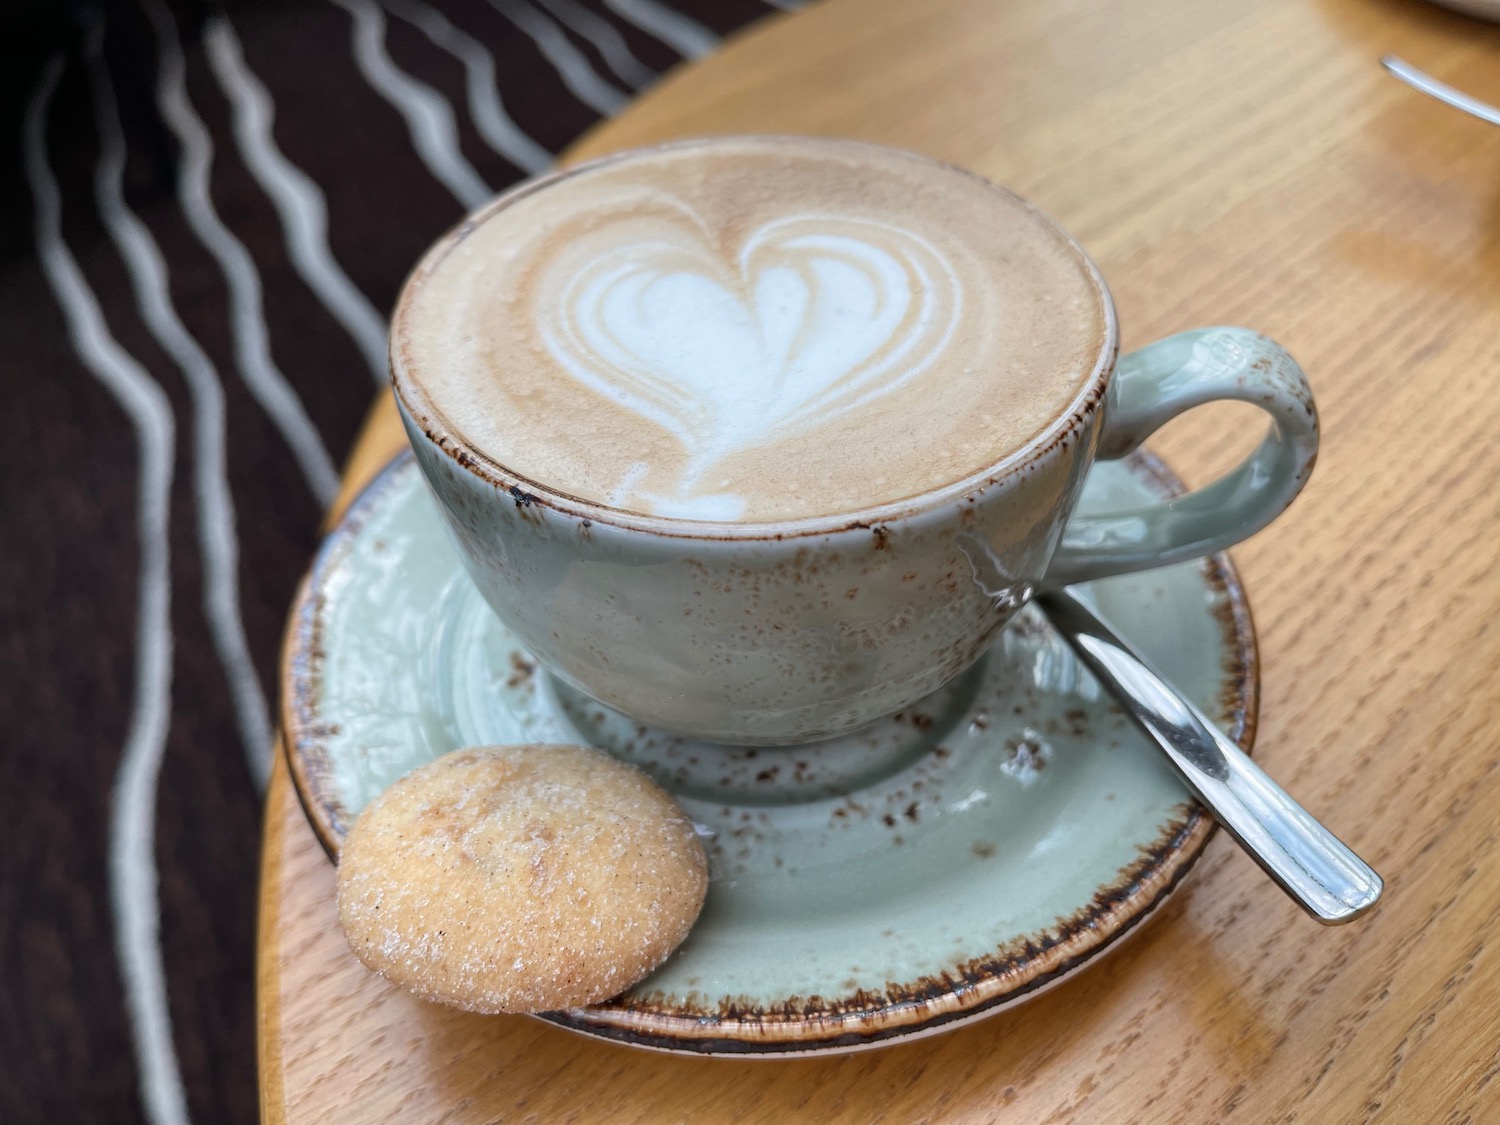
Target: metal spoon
(1310, 863)
(1421, 80)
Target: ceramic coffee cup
(785, 632)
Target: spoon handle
(1427, 84)
(1310, 863)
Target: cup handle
(1156, 384)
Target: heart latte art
(752, 330)
(814, 317)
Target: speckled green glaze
(931, 868)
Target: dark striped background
(69, 471)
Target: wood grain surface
(1224, 161)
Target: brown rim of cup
(419, 409)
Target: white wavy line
(132, 857)
(607, 41)
(497, 128)
(571, 65)
(217, 542)
(297, 199)
(252, 349)
(687, 37)
(429, 118)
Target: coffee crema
(751, 329)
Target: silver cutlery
(1310, 863)
(1427, 84)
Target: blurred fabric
(205, 214)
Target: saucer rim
(1002, 979)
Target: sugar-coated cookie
(520, 879)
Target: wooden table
(1224, 160)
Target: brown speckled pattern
(968, 988)
(783, 638)
(776, 633)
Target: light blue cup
(779, 633)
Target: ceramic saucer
(931, 869)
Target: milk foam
(818, 315)
(753, 329)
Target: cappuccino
(751, 329)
